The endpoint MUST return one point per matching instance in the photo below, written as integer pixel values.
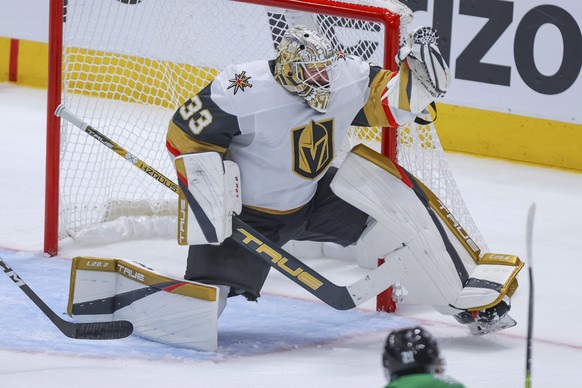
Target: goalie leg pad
(435, 259)
(404, 232)
(208, 197)
(175, 312)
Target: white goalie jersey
(281, 149)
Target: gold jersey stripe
(373, 109)
(403, 97)
(273, 211)
(180, 140)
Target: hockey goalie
(258, 142)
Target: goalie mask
(305, 66)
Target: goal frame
(391, 22)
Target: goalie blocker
(175, 312)
(424, 247)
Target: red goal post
(125, 66)
(389, 19)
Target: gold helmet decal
(313, 148)
(305, 66)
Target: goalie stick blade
(98, 330)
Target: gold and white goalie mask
(305, 66)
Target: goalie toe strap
(489, 284)
(480, 283)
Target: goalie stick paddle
(76, 330)
(529, 242)
(338, 297)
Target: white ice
(289, 339)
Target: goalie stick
(529, 242)
(76, 330)
(338, 297)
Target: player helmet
(411, 351)
(305, 66)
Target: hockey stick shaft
(530, 312)
(77, 122)
(85, 330)
(339, 297)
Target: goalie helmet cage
(125, 66)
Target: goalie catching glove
(423, 75)
(209, 196)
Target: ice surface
(288, 339)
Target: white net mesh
(127, 66)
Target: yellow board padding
(32, 64)
(4, 59)
(133, 79)
(509, 136)
(461, 129)
(32, 59)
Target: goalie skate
(487, 321)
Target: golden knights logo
(240, 82)
(312, 148)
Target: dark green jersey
(425, 380)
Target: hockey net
(128, 65)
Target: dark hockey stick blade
(77, 330)
(98, 330)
